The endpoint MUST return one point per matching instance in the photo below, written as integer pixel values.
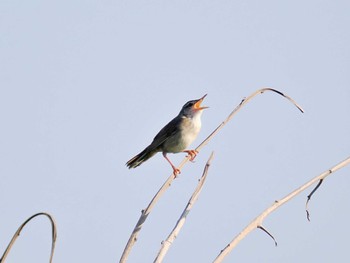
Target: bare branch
(257, 222)
(166, 185)
(18, 232)
(145, 213)
(174, 233)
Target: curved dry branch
(240, 105)
(166, 185)
(257, 222)
(18, 232)
(174, 233)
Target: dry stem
(257, 222)
(18, 232)
(174, 233)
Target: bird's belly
(184, 138)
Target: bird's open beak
(197, 106)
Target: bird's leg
(192, 154)
(176, 170)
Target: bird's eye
(190, 104)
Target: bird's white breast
(190, 128)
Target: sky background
(86, 85)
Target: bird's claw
(192, 154)
(176, 172)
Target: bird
(176, 136)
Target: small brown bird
(176, 136)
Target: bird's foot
(192, 154)
(176, 171)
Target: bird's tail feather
(140, 158)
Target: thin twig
(257, 222)
(267, 232)
(175, 232)
(18, 232)
(309, 198)
(166, 185)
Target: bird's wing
(167, 132)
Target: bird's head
(193, 107)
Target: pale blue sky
(86, 85)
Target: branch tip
(308, 215)
(310, 195)
(267, 232)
